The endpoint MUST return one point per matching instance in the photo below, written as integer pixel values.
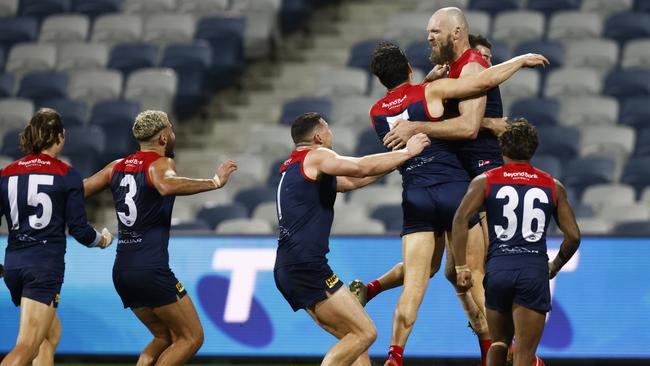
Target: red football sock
(396, 353)
(485, 347)
(374, 288)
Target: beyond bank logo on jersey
(230, 303)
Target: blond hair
(148, 123)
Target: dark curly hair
(519, 141)
(42, 131)
(390, 65)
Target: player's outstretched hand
(533, 59)
(464, 279)
(107, 239)
(436, 73)
(401, 132)
(417, 143)
(223, 173)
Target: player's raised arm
(98, 181)
(566, 220)
(469, 206)
(163, 176)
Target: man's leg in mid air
(35, 322)
(48, 346)
(501, 330)
(529, 326)
(162, 337)
(342, 316)
(183, 322)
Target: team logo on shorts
(57, 298)
(179, 287)
(333, 280)
(482, 163)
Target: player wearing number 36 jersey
(520, 202)
(144, 186)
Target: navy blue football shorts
(36, 284)
(306, 284)
(432, 208)
(477, 164)
(528, 287)
(150, 288)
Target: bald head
(448, 28)
(449, 20)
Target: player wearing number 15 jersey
(144, 185)
(39, 196)
(520, 202)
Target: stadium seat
(369, 143)
(406, 27)
(270, 139)
(252, 197)
(127, 57)
(73, 112)
(373, 196)
(82, 56)
(553, 50)
(588, 111)
(115, 117)
(163, 29)
(148, 7)
(202, 7)
(273, 177)
(245, 226)
(213, 215)
(627, 83)
(645, 196)
(581, 210)
(501, 52)
(595, 226)
(42, 8)
(17, 30)
(226, 34)
(94, 8)
(599, 54)
(495, 6)
(64, 28)
(84, 147)
(636, 228)
(268, 212)
(294, 14)
(262, 34)
(191, 61)
(361, 54)
(433, 5)
(614, 141)
(618, 213)
(194, 226)
(346, 139)
(253, 166)
(626, 26)
(352, 111)
(587, 171)
(2, 58)
(636, 54)
(418, 54)
(518, 26)
(390, 215)
(117, 28)
(480, 22)
(342, 82)
(42, 85)
(573, 82)
(28, 57)
(7, 82)
(11, 144)
(635, 111)
(642, 147)
(363, 226)
(93, 85)
(602, 194)
(550, 6)
(154, 88)
(348, 212)
(568, 25)
(606, 7)
(642, 5)
(15, 113)
(295, 107)
(525, 83)
(538, 111)
(637, 173)
(549, 164)
(8, 8)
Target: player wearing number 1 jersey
(39, 196)
(520, 202)
(144, 185)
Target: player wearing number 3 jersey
(144, 186)
(520, 202)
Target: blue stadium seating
(2, 59)
(73, 112)
(11, 144)
(225, 34)
(627, 83)
(550, 6)
(127, 57)
(361, 54)
(642, 147)
(642, 6)
(94, 8)
(549, 164)
(635, 111)
(495, 6)
(581, 210)
(294, 14)
(274, 177)
(500, 52)
(538, 111)
(369, 144)
(295, 107)
(561, 142)
(16, 30)
(115, 117)
(84, 146)
(251, 197)
(628, 25)
(553, 50)
(43, 85)
(583, 172)
(418, 54)
(637, 173)
(191, 61)
(42, 8)
(390, 215)
(6, 85)
(632, 228)
(214, 215)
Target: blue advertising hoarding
(601, 302)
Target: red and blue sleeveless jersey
(485, 142)
(39, 197)
(438, 162)
(305, 213)
(143, 215)
(520, 202)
